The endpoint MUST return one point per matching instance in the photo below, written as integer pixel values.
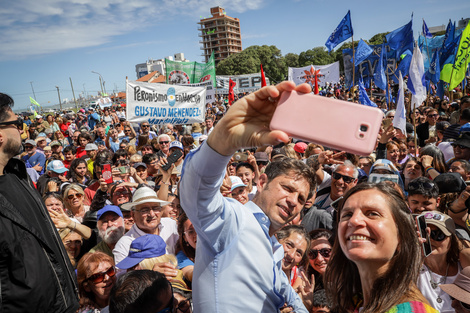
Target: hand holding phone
(107, 174)
(172, 158)
(422, 225)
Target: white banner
(244, 83)
(328, 73)
(104, 102)
(159, 104)
(210, 90)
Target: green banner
(183, 73)
(455, 73)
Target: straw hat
(143, 195)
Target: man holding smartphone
(229, 233)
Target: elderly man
(146, 210)
(110, 225)
(36, 274)
(33, 158)
(164, 143)
(236, 249)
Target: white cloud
(40, 27)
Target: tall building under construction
(220, 34)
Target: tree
(292, 60)
(378, 39)
(315, 56)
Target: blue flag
(362, 52)
(426, 31)
(363, 97)
(448, 51)
(450, 34)
(434, 72)
(341, 33)
(403, 67)
(401, 39)
(379, 73)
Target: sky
(45, 43)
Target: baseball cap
(91, 147)
(55, 143)
(261, 156)
(38, 116)
(236, 182)
(139, 164)
(144, 247)
(31, 142)
(442, 221)
(108, 208)
(56, 166)
(300, 147)
(176, 144)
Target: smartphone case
(330, 122)
(172, 158)
(106, 173)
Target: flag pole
(354, 67)
(427, 49)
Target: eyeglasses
(420, 185)
(164, 142)
(18, 123)
(99, 277)
(78, 195)
(146, 210)
(145, 126)
(463, 304)
(190, 232)
(184, 305)
(169, 308)
(233, 164)
(28, 147)
(437, 235)
(313, 254)
(346, 179)
(460, 146)
(262, 162)
(433, 115)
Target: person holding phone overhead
(229, 233)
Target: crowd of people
(246, 218)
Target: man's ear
(262, 181)
(438, 199)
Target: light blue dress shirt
(238, 265)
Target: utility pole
(58, 93)
(33, 90)
(73, 92)
(101, 82)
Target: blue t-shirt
(37, 158)
(183, 260)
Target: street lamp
(58, 93)
(101, 82)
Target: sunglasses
(463, 304)
(420, 185)
(164, 142)
(433, 115)
(99, 277)
(460, 146)
(346, 179)
(313, 254)
(18, 123)
(437, 235)
(78, 195)
(145, 125)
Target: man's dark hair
(423, 186)
(283, 166)
(68, 149)
(6, 104)
(139, 291)
(118, 154)
(245, 164)
(150, 157)
(464, 100)
(465, 164)
(320, 300)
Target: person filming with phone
(229, 233)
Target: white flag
(416, 77)
(328, 74)
(399, 121)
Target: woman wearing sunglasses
(96, 277)
(319, 254)
(444, 263)
(376, 256)
(74, 197)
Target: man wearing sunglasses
(423, 195)
(461, 146)
(35, 269)
(33, 158)
(427, 131)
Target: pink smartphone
(337, 124)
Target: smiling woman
(376, 256)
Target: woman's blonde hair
(148, 264)
(75, 187)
